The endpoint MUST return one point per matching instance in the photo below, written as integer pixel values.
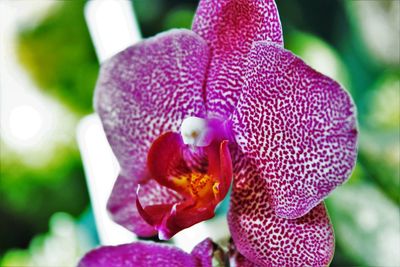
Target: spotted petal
(148, 89)
(145, 90)
(298, 126)
(143, 254)
(268, 240)
(230, 27)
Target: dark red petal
(122, 203)
(186, 216)
(230, 27)
(165, 160)
(220, 166)
(154, 214)
(167, 164)
(226, 168)
(268, 240)
(299, 127)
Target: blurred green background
(44, 207)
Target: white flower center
(196, 131)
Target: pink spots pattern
(295, 130)
(149, 89)
(141, 93)
(268, 240)
(230, 27)
(299, 127)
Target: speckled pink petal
(148, 89)
(230, 27)
(268, 240)
(204, 252)
(298, 126)
(144, 254)
(139, 254)
(145, 90)
(122, 203)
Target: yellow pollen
(181, 181)
(198, 185)
(216, 188)
(194, 134)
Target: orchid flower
(185, 111)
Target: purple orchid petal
(122, 203)
(204, 252)
(142, 92)
(230, 27)
(140, 254)
(268, 240)
(148, 89)
(143, 254)
(298, 126)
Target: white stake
(113, 27)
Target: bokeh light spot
(25, 123)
